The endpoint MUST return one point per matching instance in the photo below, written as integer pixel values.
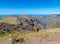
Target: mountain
(21, 24)
(51, 21)
(30, 23)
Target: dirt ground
(55, 39)
(36, 40)
(43, 40)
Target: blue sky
(29, 6)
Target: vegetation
(2, 34)
(18, 35)
(25, 27)
(57, 24)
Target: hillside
(50, 21)
(30, 23)
(27, 29)
(21, 24)
(48, 36)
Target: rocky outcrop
(28, 23)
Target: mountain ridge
(35, 23)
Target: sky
(29, 6)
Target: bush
(2, 33)
(57, 24)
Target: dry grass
(46, 33)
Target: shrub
(2, 33)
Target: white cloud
(31, 11)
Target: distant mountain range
(51, 21)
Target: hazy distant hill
(51, 21)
